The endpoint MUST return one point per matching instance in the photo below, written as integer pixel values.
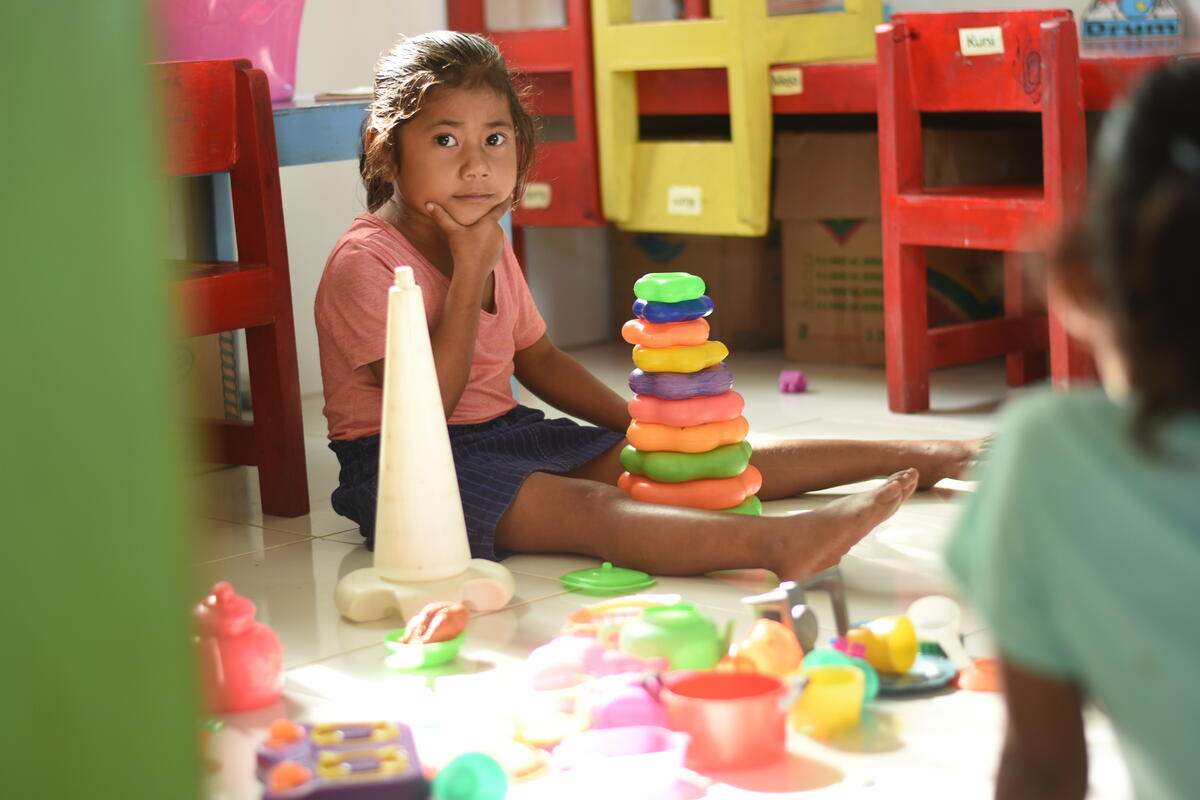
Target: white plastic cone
(421, 549)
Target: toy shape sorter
(364, 760)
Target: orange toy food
(288, 775)
(437, 622)
(714, 494)
(691, 411)
(689, 439)
(771, 647)
(666, 334)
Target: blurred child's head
(425, 70)
(1129, 274)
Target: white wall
(567, 268)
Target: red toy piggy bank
(241, 660)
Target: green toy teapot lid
(607, 579)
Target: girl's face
(460, 152)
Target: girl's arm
(1045, 754)
(475, 250)
(565, 384)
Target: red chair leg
(278, 423)
(1024, 366)
(906, 326)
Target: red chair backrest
(558, 61)
(199, 101)
(944, 78)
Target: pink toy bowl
(736, 719)
(266, 32)
(621, 701)
(639, 761)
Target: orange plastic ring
(647, 436)
(690, 411)
(713, 494)
(666, 334)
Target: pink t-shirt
(351, 312)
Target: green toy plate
(607, 579)
(418, 656)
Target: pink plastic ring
(689, 411)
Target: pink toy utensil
(792, 380)
(241, 659)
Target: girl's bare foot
(946, 458)
(821, 537)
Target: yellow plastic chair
(705, 187)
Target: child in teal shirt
(1082, 545)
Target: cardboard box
(833, 291)
(743, 276)
(827, 198)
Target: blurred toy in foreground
(241, 660)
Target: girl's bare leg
(568, 514)
(794, 466)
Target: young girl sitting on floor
(447, 148)
(1082, 545)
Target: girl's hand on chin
(475, 248)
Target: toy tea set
(636, 686)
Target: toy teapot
(241, 659)
(786, 603)
(678, 633)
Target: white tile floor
(939, 746)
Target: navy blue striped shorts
(492, 460)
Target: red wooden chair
(218, 119)
(1015, 61)
(564, 189)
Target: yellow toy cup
(891, 643)
(831, 702)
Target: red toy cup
(735, 719)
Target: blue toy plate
(928, 672)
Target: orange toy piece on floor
(690, 439)
(714, 494)
(666, 334)
(690, 411)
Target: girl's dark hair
(403, 78)
(1141, 239)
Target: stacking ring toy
(679, 359)
(688, 411)
(714, 494)
(680, 385)
(751, 507)
(665, 334)
(694, 439)
(721, 462)
(669, 287)
(684, 310)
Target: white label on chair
(537, 196)
(684, 201)
(787, 80)
(981, 41)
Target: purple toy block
(792, 380)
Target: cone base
(364, 595)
